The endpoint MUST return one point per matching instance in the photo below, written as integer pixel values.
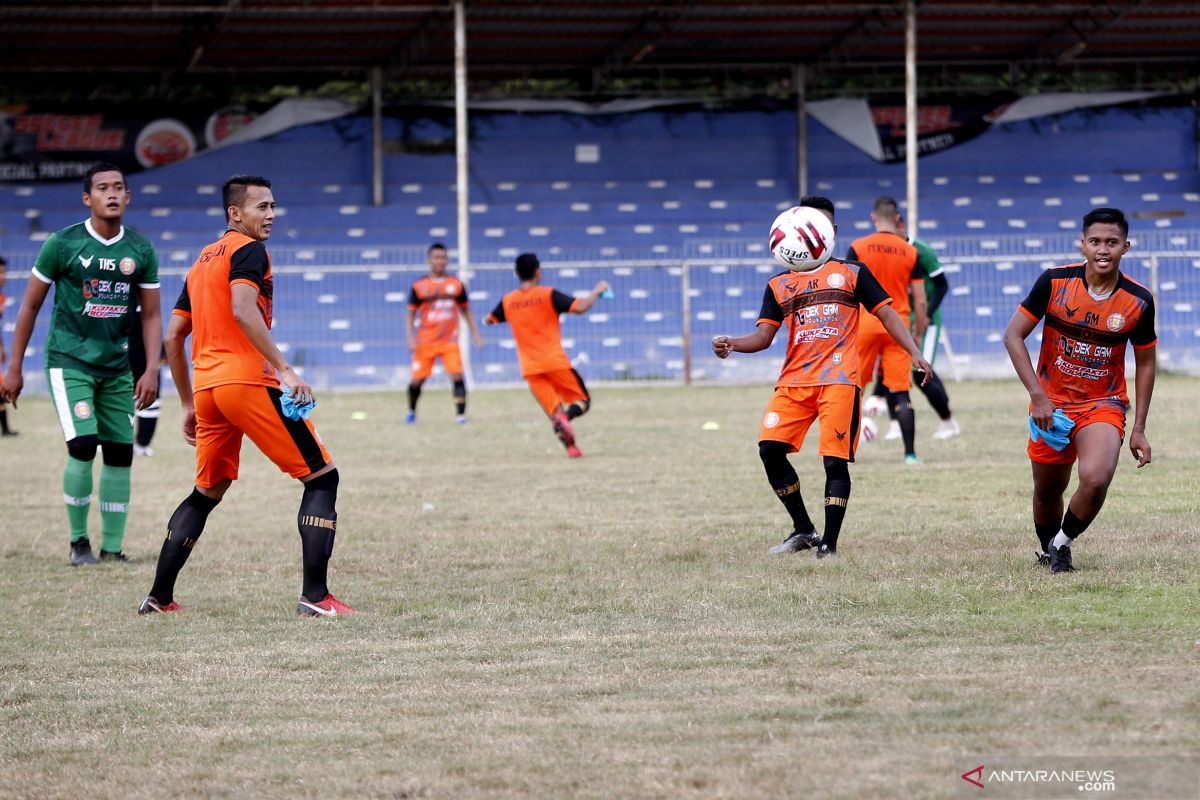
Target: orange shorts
(426, 354)
(1090, 414)
(225, 413)
(897, 366)
(792, 410)
(553, 390)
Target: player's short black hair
(527, 266)
(1114, 216)
(886, 205)
(435, 246)
(233, 191)
(97, 168)
(819, 202)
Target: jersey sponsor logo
(82, 410)
(98, 288)
(837, 280)
(103, 311)
(1077, 371)
(1116, 322)
(127, 266)
(771, 419)
(807, 336)
(107, 264)
(86, 262)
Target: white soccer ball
(874, 405)
(802, 239)
(869, 432)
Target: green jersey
(95, 283)
(928, 263)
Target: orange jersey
(221, 353)
(821, 310)
(437, 302)
(893, 262)
(1082, 358)
(533, 315)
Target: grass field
(612, 627)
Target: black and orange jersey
(221, 353)
(533, 315)
(895, 264)
(1082, 359)
(437, 302)
(821, 309)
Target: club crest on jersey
(1116, 322)
(83, 410)
(127, 266)
(836, 358)
(837, 280)
(770, 420)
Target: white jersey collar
(87, 223)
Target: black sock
(837, 495)
(902, 405)
(185, 527)
(577, 409)
(4, 421)
(1045, 533)
(414, 394)
(318, 524)
(786, 484)
(145, 430)
(1072, 525)
(935, 392)
(460, 397)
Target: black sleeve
(464, 299)
(851, 255)
(1144, 334)
(413, 300)
(918, 272)
(940, 287)
(562, 302)
(868, 291)
(184, 303)
(1038, 299)
(498, 312)
(770, 307)
(250, 263)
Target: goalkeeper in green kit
(101, 271)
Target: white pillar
(910, 111)
(460, 138)
(800, 78)
(377, 135)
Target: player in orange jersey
(438, 299)
(532, 311)
(226, 307)
(820, 379)
(894, 262)
(1091, 310)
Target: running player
(532, 311)
(1091, 311)
(226, 306)
(819, 381)
(4, 429)
(439, 299)
(100, 270)
(893, 261)
(936, 289)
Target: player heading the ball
(818, 299)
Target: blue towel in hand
(607, 294)
(1058, 435)
(294, 410)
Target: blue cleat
(410, 418)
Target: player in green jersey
(101, 271)
(936, 288)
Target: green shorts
(89, 404)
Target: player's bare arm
(249, 319)
(1018, 330)
(14, 378)
(898, 330)
(178, 330)
(1145, 363)
(761, 339)
(584, 304)
(476, 338)
(409, 330)
(145, 392)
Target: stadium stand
(632, 198)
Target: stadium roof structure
(522, 39)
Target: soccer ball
(802, 239)
(869, 431)
(874, 405)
